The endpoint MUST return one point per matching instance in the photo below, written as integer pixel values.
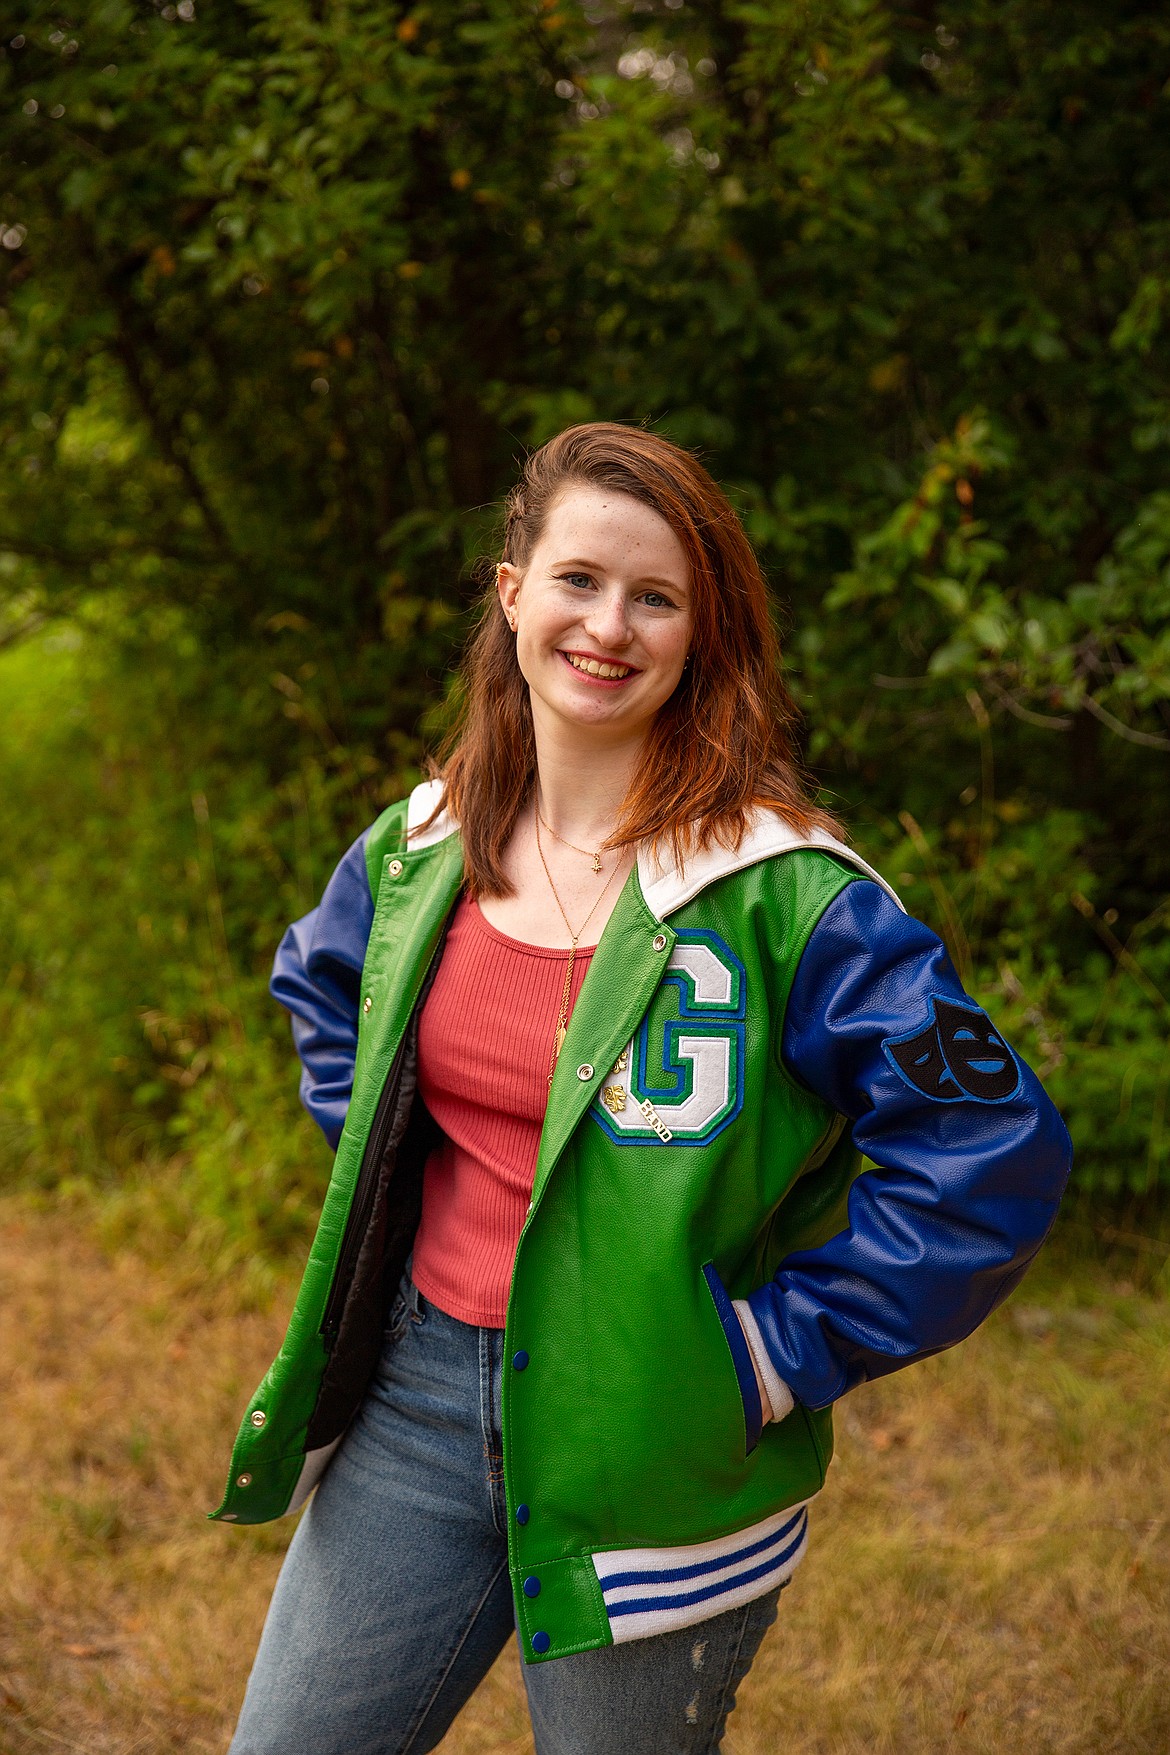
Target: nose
(608, 620)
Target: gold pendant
(561, 1034)
(597, 862)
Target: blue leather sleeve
(317, 977)
(971, 1156)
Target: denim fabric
(394, 1598)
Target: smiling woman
(601, 1021)
(607, 611)
(621, 553)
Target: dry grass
(989, 1567)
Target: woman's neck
(583, 784)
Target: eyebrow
(644, 579)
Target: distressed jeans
(394, 1598)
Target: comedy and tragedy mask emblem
(957, 1054)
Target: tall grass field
(989, 1566)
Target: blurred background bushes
(285, 292)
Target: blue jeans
(394, 1598)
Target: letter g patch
(957, 1054)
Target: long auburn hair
(722, 744)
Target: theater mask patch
(958, 1054)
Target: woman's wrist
(776, 1400)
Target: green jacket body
(681, 1164)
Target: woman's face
(601, 613)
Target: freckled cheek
(539, 640)
(668, 656)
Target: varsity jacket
(754, 1025)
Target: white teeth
(594, 666)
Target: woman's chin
(604, 716)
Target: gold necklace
(595, 857)
(562, 1029)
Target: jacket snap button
(520, 1360)
(532, 1587)
(541, 1643)
(395, 868)
(584, 1071)
(367, 1003)
(243, 1480)
(522, 1514)
(659, 941)
(259, 1418)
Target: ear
(508, 583)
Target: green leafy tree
(286, 288)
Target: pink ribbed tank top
(485, 1039)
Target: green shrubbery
(142, 1056)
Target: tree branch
(24, 630)
(1046, 721)
(130, 322)
(1147, 739)
(164, 438)
(78, 561)
(388, 370)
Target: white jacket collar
(419, 806)
(667, 886)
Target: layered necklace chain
(574, 936)
(549, 830)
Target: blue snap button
(541, 1642)
(522, 1514)
(520, 1360)
(532, 1587)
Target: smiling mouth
(599, 667)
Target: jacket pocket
(741, 1358)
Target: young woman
(601, 1022)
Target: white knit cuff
(777, 1390)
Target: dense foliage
(286, 287)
